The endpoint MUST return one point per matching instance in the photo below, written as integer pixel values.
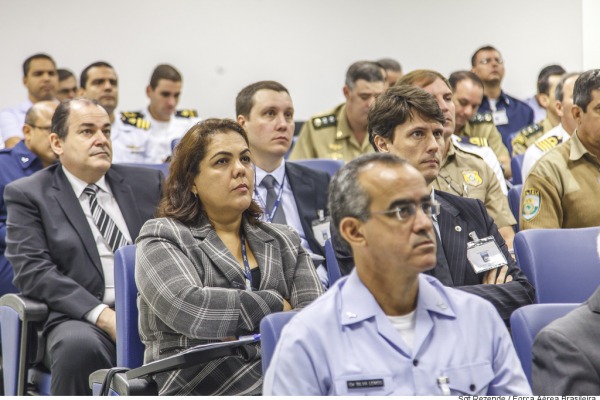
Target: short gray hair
(366, 70)
(347, 198)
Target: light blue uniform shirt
(344, 339)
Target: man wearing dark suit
(59, 253)
(408, 122)
(266, 111)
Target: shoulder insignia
(531, 204)
(475, 141)
(324, 122)
(549, 143)
(483, 118)
(472, 178)
(135, 119)
(186, 113)
(531, 129)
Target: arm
(31, 253)
(560, 367)
(549, 214)
(169, 282)
(304, 148)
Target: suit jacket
(49, 241)
(310, 192)
(566, 356)
(458, 217)
(192, 292)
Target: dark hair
(459, 76)
(178, 201)
(366, 70)
(422, 78)
(389, 64)
(559, 93)
(84, 74)
(396, 106)
(543, 83)
(60, 118)
(484, 48)
(584, 86)
(164, 71)
(64, 74)
(38, 56)
(347, 197)
(245, 98)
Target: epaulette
(324, 122)
(530, 130)
(549, 143)
(483, 118)
(186, 113)
(475, 141)
(135, 119)
(465, 146)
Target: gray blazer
(191, 292)
(566, 355)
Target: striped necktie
(269, 183)
(107, 227)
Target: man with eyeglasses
(67, 85)
(509, 114)
(28, 156)
(388, 328)
(408, 122)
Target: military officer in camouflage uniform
(145, 136)
(463, 172)
(528, 135)
(560, 133)
(563, 188)
(479, 128)
(341, 133)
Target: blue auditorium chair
(561, 264)
(516, 166)
(270, 330)
(527, 321)
(321, 164)
(514, 201)
(164, 167)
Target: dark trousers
(75, 349)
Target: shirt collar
(78, 185)
(278, 173)
(578, 150)
(358, 304)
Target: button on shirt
(288, 202)
(344, 344)
(107, 201)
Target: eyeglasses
(485, 61)
(407, 211)
(43, 128)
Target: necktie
(107, 227)
(268, 182)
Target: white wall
(591, 34)
(220, 46)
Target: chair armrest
(29, 310)
(123, 386)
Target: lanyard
(271, 214)
(247, 272)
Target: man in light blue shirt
(387, 328)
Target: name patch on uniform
(366, 383)
(472, 178)
(531, 204)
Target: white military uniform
(486, 153)
(548, 141)
(139, 138)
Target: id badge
(320, 228)
(500, 117)
(484, 254)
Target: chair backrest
(174, 143)
(130, 349)
(322, 164)
(270, 330)
(514, 201)
(516, 166)
(527, 321)
(562, 264)
(333, 268)
(164, 167)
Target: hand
(286, 305)
(107, 321)
(497, 276)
